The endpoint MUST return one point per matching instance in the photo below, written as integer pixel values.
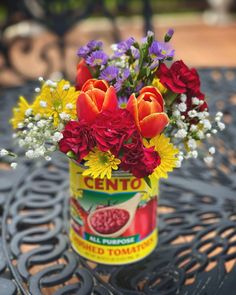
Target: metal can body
(113, 221)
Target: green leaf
(141, 57)
(71, 155)
(167, 38)
(148, 72)
(148, 181)
(142, 72)
(170, 97)
(150, 40)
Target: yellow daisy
(156, 83)
(100, 164)
(167, 153)
(56, 100)
(19, 112)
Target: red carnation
(112, 129)
(139, 160)
(77, 137)
(180, 79)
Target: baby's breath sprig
(186, 131)
(6, 153)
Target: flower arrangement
(129, 111)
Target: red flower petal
(101, 84)
(153, 124)
(83, 74)
(110, 100)
(94, 83)
(97, 96)
(132, 107)
(156, 92)
(86, 108)
(147, 104)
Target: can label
(113, 221)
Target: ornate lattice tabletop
(197, 221)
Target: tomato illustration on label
(79, 216)
(77, 210)
(145, 220)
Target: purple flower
(122, 101)
(154, 64)
(121, 79)
(125, 74)
(110, 73)
(123, 46)
(94, 45)
(161, 50)
(97, 58)
(170, 32)
(83, 51)
(139, 86)
(118, 85)
(135, 52)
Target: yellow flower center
(57, 104)
(123, 105)
(103, 159)
(98, 60)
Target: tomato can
(113, 221)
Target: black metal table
(197, 221)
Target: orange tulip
(94, 83)
(148, 111)
(83, 74)
(95, 100)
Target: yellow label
(114, 254)
(122, 183)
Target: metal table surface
(196, 253)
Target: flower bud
(168, 35)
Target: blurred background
(40, 37)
